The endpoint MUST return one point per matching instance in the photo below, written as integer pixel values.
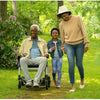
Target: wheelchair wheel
(49, 81)
(23, 82)
(19, 84)
(46, 85)
(46, 82)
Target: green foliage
(39, 12)
(90, 13)
(11, 34)
(44, 13)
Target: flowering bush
(11, 34)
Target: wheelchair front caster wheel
(46, 87)
(19, 85)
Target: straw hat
(62, 9)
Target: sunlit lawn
(9, 80)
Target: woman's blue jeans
(75, 51)
(56, 67)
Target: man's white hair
(35, 25)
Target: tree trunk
(72, 3)
(3, 10)
(14, 7)
(0, 8)
(60, 3)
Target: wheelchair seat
(33, 66)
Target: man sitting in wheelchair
(33, 51)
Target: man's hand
(47, 56)
(19, 54)
(53, 48)
(85, 49)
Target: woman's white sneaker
(72, 90)
(81, 86)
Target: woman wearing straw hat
(74, 42)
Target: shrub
(11, 34)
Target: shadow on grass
(42, 93)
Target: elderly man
(34, 52)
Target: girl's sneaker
(58, 86)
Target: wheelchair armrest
(19, 58)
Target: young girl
(54, 48)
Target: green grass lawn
(9, 80)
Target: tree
(72, 3)
(14, 7)
(3, 10)
(60, 3)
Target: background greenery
(44, 14)
(15, 28)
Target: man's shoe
(29, 84)
(36, 84)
